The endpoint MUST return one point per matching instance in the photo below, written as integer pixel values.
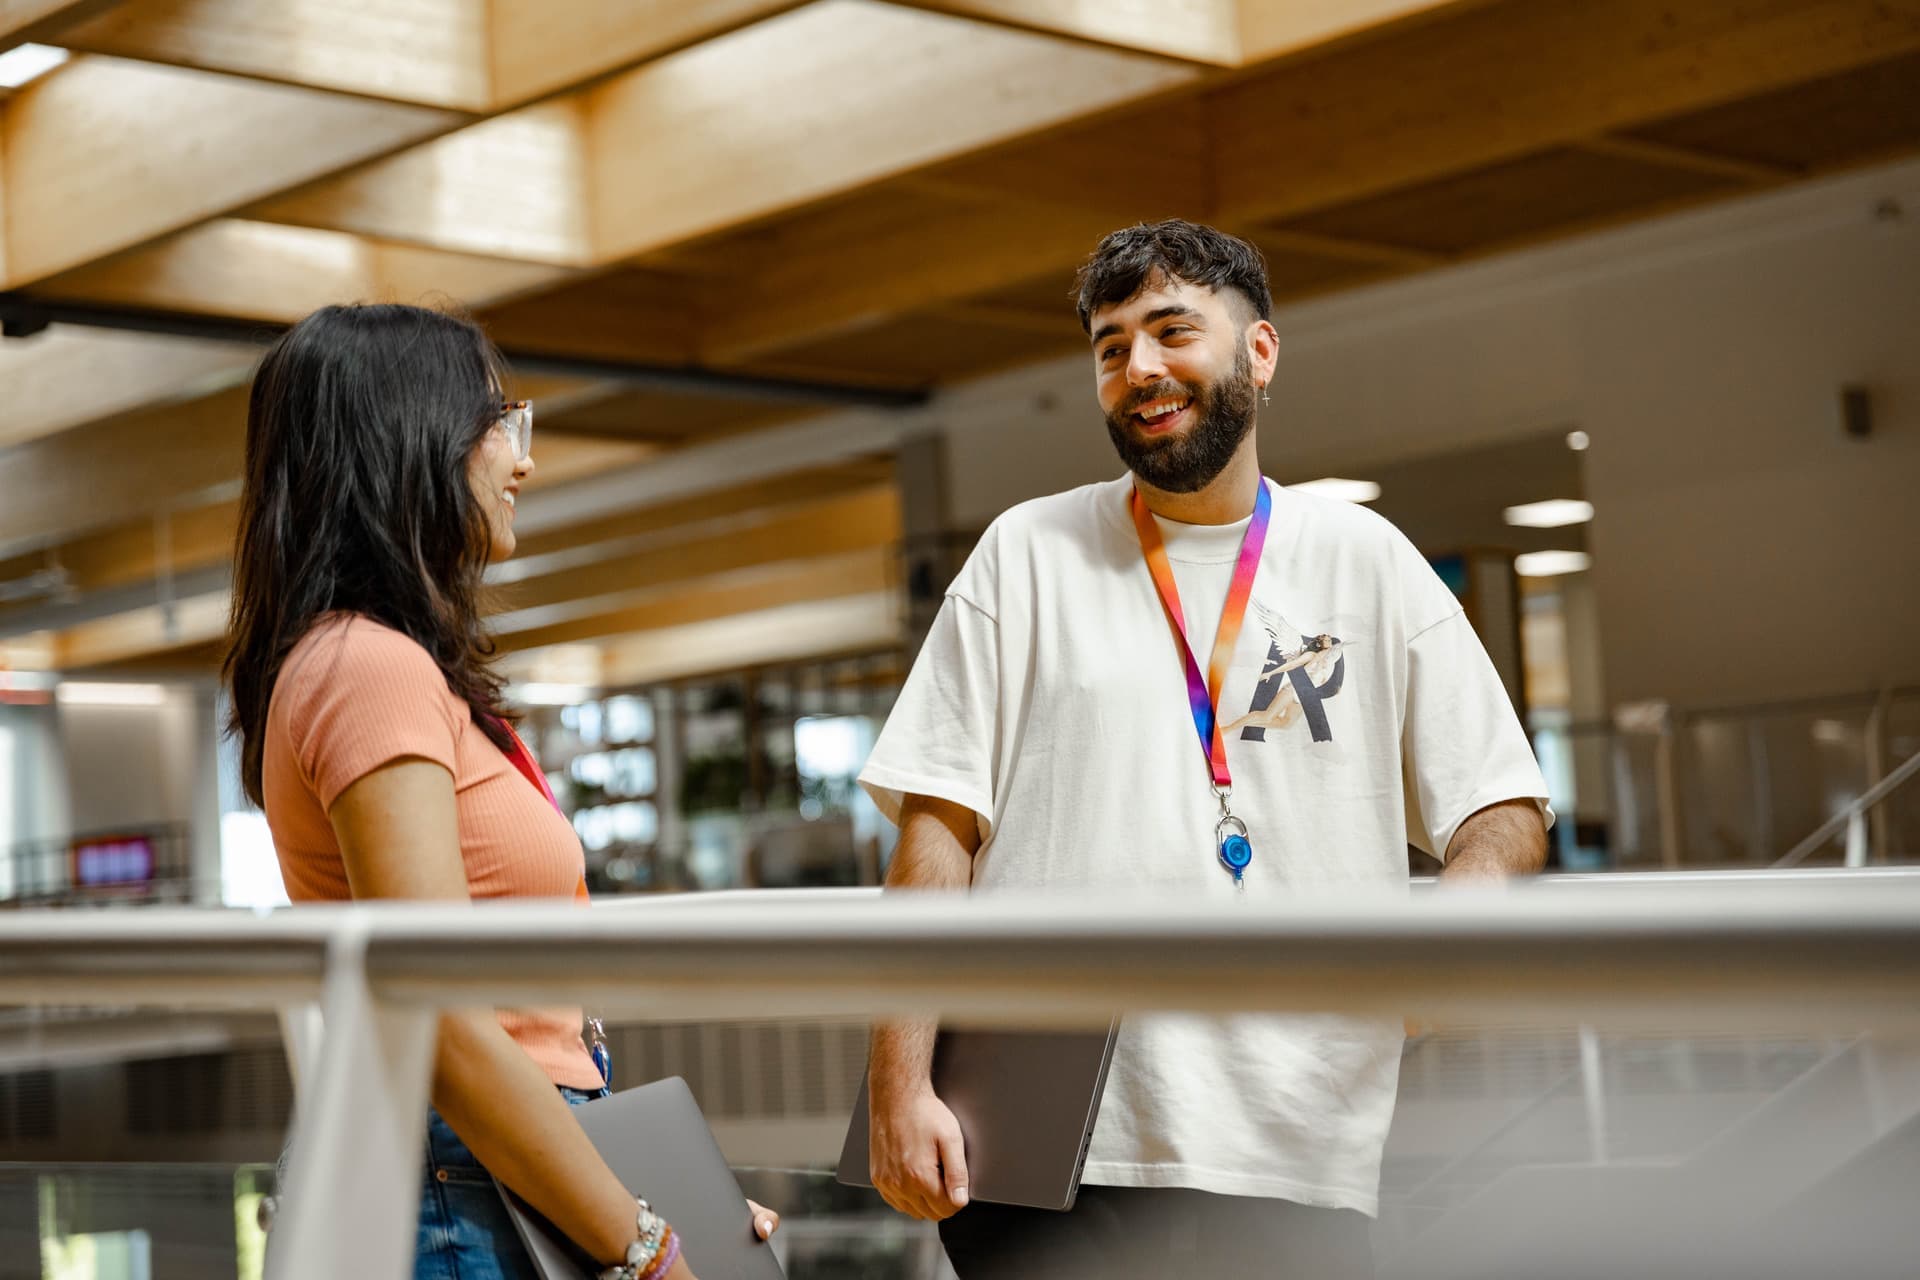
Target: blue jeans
(465, 1233)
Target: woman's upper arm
(399, 833)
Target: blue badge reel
(1236, 850)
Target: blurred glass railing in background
(1730, 786)
(1480, 1110)
(138, 865)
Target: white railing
(1854, 819)
(1836, 952)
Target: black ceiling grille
(26, 1106)
(773, 1070)
(242, 1090)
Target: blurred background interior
(1613, 306)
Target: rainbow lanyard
(1203, 695)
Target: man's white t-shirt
(1051, 700)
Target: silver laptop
(1026, 1102)
(656, 1142)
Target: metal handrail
(1690, 953)
(1853, 819)
(1762, 946)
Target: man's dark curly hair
(1127, 261)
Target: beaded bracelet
(644, 1254)
(663, 1262)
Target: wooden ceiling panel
(786, 252)
(1862, 115)
(662, 520)
(1516, 200)
(513, 187)
(917, 350)
(261, 271)
(1294, 272)
(1273, 29)
(634, 313)
(891, 195)
(762, 588)
(663, 418)
(121, 468)
(862, 520)
(544, 46)
(844, 93)
(42, 21)
(1491, 83)
(1206, 31)
(94, 161)
(1134, 165)
(943, 259)
(432, 52)
(65, 378)
(1047, 295)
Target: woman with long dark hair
(382, 470)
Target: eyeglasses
(516, 422)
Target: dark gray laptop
(1026, 1102)
(656, 1142)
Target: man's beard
(1223, 412)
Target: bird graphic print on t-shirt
(1300, 673)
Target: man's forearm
(937, 842)
(1500, 841)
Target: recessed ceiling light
(1550, 564)
(80, 694)
(1577, 440)
(538, 693)
(1341, 490)
(28, 61)
(1554, 513)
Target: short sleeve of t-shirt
(1462, 747)
(362, 697)
(941, 738)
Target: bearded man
(1090, 711)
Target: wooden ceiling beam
(830, 288)
(815, 542)
(540, 47)
(1019, 212)
(92, 163)
(1137, 165)
(1049, 324)
(65, 378)
(760, 587)
(593, 178)
(44, 21)
(174, 542)
(1473, 89)
(515, 186)
(724, 505)
(122, 468)
(1687, 159)
(845, 93)
(1200, 31)
(425, 52)
(262, 271)
(1343, 249)
(830, 526)
(188, 623)
(181, 541)
(1275, 29)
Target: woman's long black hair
(360, 430)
